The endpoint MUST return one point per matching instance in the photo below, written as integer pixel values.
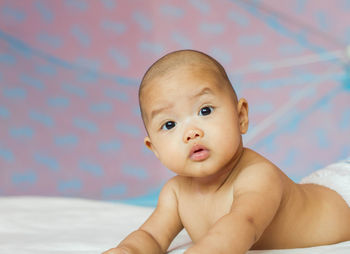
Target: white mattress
(38, 225)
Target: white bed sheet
(38, 225)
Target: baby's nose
(192, 133)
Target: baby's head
(191, 113)
(176, 61)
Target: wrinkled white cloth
(39, 225)
(335, 176)
(50, 225)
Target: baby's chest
(199, 215)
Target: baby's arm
(156, 234)
(258, 193)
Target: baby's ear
(149, 145)
(242, 109)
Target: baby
(228, 198)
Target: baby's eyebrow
(159, 110)
(205, 90)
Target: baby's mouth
(199, 153)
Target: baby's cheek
(170, 158)
(229, 144)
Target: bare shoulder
(258, 170)
(258, 173)
(175, 183)
(172, 189)
(169, 191)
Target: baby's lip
(198, 153)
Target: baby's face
(193, 122)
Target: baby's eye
(206, 111)
(168, 125)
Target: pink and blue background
(70, 70)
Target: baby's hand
(117, 250)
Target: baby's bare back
(309, 215)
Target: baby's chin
(201, 172)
